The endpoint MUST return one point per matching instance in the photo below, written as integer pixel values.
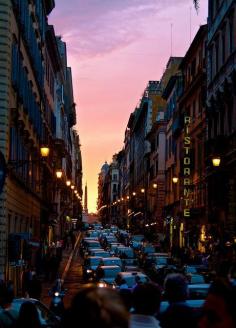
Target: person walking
(35, 287)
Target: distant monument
(86, 199)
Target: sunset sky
(114, 48)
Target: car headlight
(89, 271)
(101, 285)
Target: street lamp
(68, 183)
(59, 173)
(175, 179)
(134, 193)
(44, 151)
(154, 185)
(72, 187)
(216, 161)
(142, 190)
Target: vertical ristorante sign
(187, 166)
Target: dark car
(47, 317)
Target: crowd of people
(140, 307)
(98, 307)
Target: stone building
(221, 119)
(34, 84)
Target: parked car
(46, 317)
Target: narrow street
(74, 278)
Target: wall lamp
(59, 173)
(175, 179)
(44, 152)
(216, 161)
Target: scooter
(57, 304)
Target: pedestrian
(146, 303)
(25, 280)
(72, 239)
(137, 282)
(35, 287)
(219, 308)
(28, 316)
(8, 315)
(178, 313)
(96, 307)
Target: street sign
(3, 171)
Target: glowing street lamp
(134, 193)
(175, 179)
(154, 185)
(59, 174)
(142, 190)
(68, 183)
(44, 151)
(216, 161)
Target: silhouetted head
(219, 308)
(96, 307)
(147, 298)
(176, 288)
(28, 316)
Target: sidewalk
(65, 263)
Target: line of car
(113, 257)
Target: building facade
(221, 120)
(32, 72)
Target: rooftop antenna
(171, 44)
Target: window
(157, 141)
(114, 189)
(200, 103)
(115, 177)
(223, 46)
(217, 55)
(193, 67)
(231, 35)
(194, 110)
(211, 64)
(170, 142)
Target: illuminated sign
(187, 167)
